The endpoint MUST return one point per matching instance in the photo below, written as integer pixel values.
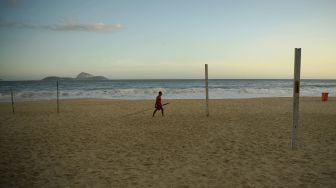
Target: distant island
(87, 76)
(80, 76)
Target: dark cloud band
(96, 27)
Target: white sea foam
(172, 89)
(169, 93)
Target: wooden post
(12, 96)
(206, 90)
(57, 97)
(296, 96)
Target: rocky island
(87, 76)
(80, 76)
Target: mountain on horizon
(84, 76)
(80, 76)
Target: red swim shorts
(158, 107)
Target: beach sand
(115, 143)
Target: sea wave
(169, 93)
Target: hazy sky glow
(166, 39)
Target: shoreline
(196, 99)
(173, 89)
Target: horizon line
(174, 79)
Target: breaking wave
(172, 89)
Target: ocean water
(172, 89)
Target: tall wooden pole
(12, 96)
(296, 96)
(57, 97)
(206, 90)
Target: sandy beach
(116, 143)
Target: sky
(173, 39)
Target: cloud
(70, 26)
(96, 27)
(11, 3)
